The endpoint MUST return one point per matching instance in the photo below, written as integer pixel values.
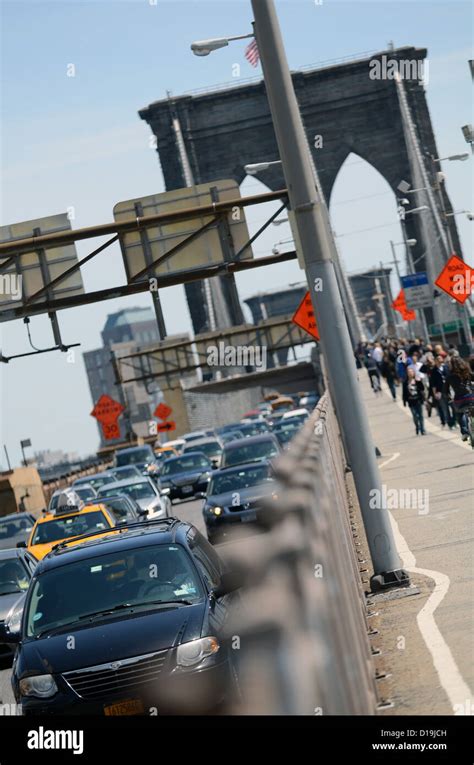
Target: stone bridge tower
(226, 128)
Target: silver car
(144, 491)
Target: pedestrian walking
(460, 380)
(387, 368)
(373, 372)
(377, 355)
(414, 396)
(427, 366)
(438, 379)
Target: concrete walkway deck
(427, 638)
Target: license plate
(249, 517)
(129, 707)
(187, 489)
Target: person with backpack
(460, 381)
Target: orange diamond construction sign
(107, 411)
(456, 278)
(304, 317)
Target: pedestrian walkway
(434, 530)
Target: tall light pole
(387, 293)
(411, 270)
(348, 301)
(438, 187)
(410, 243)
(318, 252)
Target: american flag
(252, 54)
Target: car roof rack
(119, 528)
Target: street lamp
(319, 256)
(468, 134)
(416, 210)
(275, 249)
(469, 215)
(459, 157)
(407, 242)
(402, 213)
(259, 167)
(405, 188)
(204, 47)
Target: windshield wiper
(53, 630)
(122, 606)
(106, 611)
(165, 602)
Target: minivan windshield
(211, 449)
(260, 450)
(190, 462)
(92, 590)
(139, 490)
(133, 457)
(236, 480)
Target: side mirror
(230, 581)
(21, 544)
(143, 511)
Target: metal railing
(301, 634)
(62, 481)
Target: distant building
(124, 332)
(132, 325)
(276, 302)
(364, 286)
(48, 457)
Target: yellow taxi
(67, 522)
(165, 452)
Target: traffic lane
(6, 693)
(191, 512)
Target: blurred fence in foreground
(301, 633)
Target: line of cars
(231, 467)
(113, 606)
(131, 621)
(93, 505)
(115, 617)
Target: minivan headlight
(43, 686)
(195, 651)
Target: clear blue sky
(78, 141)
